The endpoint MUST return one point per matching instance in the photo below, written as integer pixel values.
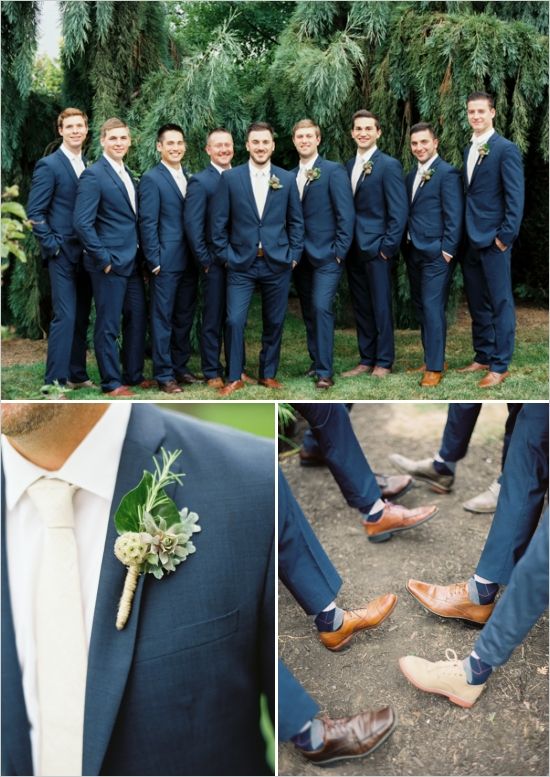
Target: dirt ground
(506, 732)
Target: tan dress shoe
(431, 378)
(368, 617)
(396, 518)
(485, 502)
(473, 367)
(236, 385)
(247, 379)
(493, 379)
(423, 469)
(381, 372)
(352, 737)
(120, 391)
(215, 383)
(449, 601)
(393, 486)
(270, 383)
(446, 678)
(361, 369)
(423, 368)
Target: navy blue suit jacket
(437, 211)
(496, 194)
(198, 230)
(50, 206)
(381, 207)
(177, 691)
(162, 210)
(329, 213)
(237, 228)
(105, 220)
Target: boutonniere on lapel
(483, 151)
(367, 167)
(274, 183)
(88, 163)
(313, 174)
(154, 535)
(426, 176)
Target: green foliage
(14, 224)
(28, 293)
(47, 76)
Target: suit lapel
(477, 165)
(170, 179)
(363, 175)
(68, 166)
(118, 181)
(247, 188)
(318, 163)
(421, 185)
(111, 651)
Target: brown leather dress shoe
(368, 617)
(270, 383)
(431, 378)
(147, 384)
(381, 372)
(493, 379)
(474, 367)
(120, 391)
(324, 383)
(422, 368)
(396, 518)
(215, 383)
(449, 601)
(188, 378)
(247, 379)
(229, 388)
(361, 369)
(393, 486)
(170, 387)
(352, 737)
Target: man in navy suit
(258, 233)
(493, 177)
(381, 211)
(177, 690)
(436, 211)
(329, 217)
(105, 219)
(162, 212)
(50, 209)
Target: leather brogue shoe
(423, 469)
(446, 678)
(270, 383)
(493, 379)
(215, 383)
(361, 369)
(368, 617)
(473, 367)
(450, 601)
(396, 518)
(247, 379)
(188, 378)
(393, 486)
(381, 372)
(352, 737)
(120, 391)
(229, 388)
(324, 383)
(431, 378)
(170, 387)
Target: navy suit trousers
(521, 604)
(370, 289)
(213, 291)
(274, 290)
(429, 279)
(331, 426)
(296, 706)
(173, 301)
(488, 284)
(523, 487)
(71, 301)
(317, 287)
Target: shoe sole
(388, 733)
(448, 617)
(402, 492)
(477, 511)
(387, 535)
(435, 487)
(348, 639)
(451, 696)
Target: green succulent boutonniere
(426, 176)
(274, 183)
(367, 167)
(313, 174)
(154, 535)
(483, 151)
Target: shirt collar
(69, 154)
(118, 168)
(172, 170)
(428, 164)
(367, 155)
(102, 446)
(308, 165)
(257, 170)
(479, 140)
(218, 168)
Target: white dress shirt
(74, 159)
(473, 154)
(260, 185)
(126, 180)
(93, 468)
(178, 176)
(301, 178)
(358, 171)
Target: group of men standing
(233, 229)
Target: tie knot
(53, 500)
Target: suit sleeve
(195, 221)
(219, 213)
(513, 186)
(42, 191)
(452, 207)
(397, 207)
(149, 215)
(88, 196)
(295, 223)
(341, 197)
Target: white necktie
(127, 181)
(181, 182)
(78, 165)
(473, 156)
(301, 180)
(417, 181)
(357, 172)
(260, 187)
(60, 634)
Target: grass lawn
(23, 366)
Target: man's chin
(22, 418)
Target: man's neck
(72, 151)
(113, 161)
(51, 445)
(483, 132)
(305, 160)
(176, 166)
(263, 167)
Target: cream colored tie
(129, 186)
(417, 181)
(356, 172)
(60, 635)
(182, 183)
(301, 180)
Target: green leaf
(167, 510)
(127, 517)
(14, 207)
